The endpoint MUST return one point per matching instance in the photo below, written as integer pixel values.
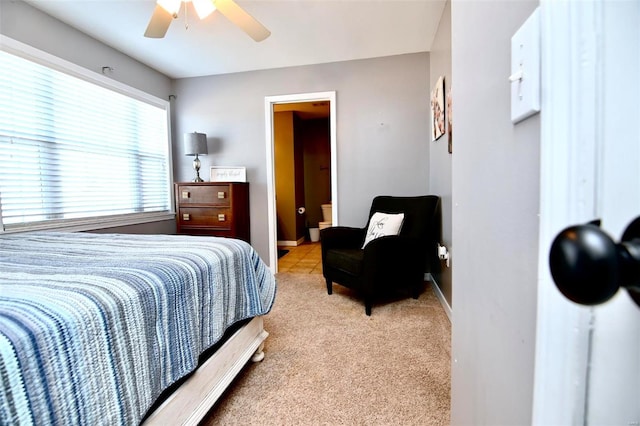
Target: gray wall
(382, 128)
(440, 159)
(495, 224)
(28, 25)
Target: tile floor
(303, 259)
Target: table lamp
(195, 144)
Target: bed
(95, 328)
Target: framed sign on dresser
(218, 209)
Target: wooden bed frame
(190, 402)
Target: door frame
(269, 102)
(570, 136)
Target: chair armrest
(341, 237)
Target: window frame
(25, 51)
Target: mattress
(93, 327)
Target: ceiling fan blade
(159, 23)
(241, 18)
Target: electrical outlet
(443, 254)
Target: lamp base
(196, 167)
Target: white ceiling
(302, 32)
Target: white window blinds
(71, 149)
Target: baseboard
(286, 243)
(439, 295)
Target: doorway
(283, 103)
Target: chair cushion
(346, 260)
(383, 224)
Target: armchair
(387, 263)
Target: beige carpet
(327, 363)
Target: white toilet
(326, 216)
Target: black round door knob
(585, 265)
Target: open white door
(588, 358)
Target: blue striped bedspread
(93, 327)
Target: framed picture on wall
(450, 120)
(438, 109)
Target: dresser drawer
(213, 208)
(219, 218)
(211, 194)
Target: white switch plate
(525, 69)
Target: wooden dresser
(219, 209)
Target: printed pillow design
(383, 224)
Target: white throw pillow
(382, 224)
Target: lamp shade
(195, 144)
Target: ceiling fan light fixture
(166, 11)
(171, 6)
(203, 8)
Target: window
(74, 151)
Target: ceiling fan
(167, 10)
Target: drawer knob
(185, 194)
(221, 194)
(186, 216)
(221, 217)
